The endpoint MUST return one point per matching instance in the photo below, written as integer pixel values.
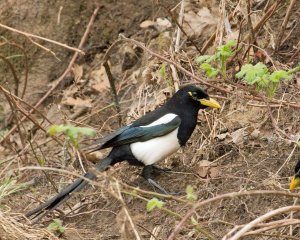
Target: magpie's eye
(194, 95)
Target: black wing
(98, 144)
(130, 134)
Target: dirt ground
(234, 149)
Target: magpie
(144, 142)
(296, 179)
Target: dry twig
(264, 217)
(284, 23)
(62, 77)
(29, 35)
(113, 90)
(200, 204)
(200, 80)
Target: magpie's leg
(65, 194)
(147, 174)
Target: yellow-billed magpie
(296, 179)
(146, 141)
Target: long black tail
(65, 194)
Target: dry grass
(11, 228)
(243, 152)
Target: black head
(297, 168)
(194, 96)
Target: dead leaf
(147, 23)
(204, 163)
(202, 168)
(200, 23)
(255, 133)
(99, 80)
(163, 24)
(78, 72)
(238, 136)
(222, 136)
(214, 171)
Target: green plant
(163, 74)
(73, 133)
(154, 203)
(214, 64)
(162, 70)
(190, 195)
(56, 227)
(9, 186)
(259, 76)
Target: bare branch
(29, 35)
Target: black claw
(147, 174)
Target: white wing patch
(165, 119)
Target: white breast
(156, 149)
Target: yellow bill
(295, 183)
(210, 103)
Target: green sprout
(56, 227)
(163, 74)
(154, 203)
(259, 76)
(73, 133)
(9, 186)
(190, 195)
(215, 64)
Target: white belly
(154, 150)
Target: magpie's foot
(175, 193)
(162, 189)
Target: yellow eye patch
(191, 94)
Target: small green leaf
(252, 74)
(205, 58)
(190, 195)
(260, 76)
(293, 70)
(225, 51)
(134, 192)
(154, 203)
(209, 70)
(73, 133)
(230, 43)
(41, 161)
(276, 76)
(262, 81)
(162, 70)
(298, 144)
(56, 226)
(194, 221)
(52, 130)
